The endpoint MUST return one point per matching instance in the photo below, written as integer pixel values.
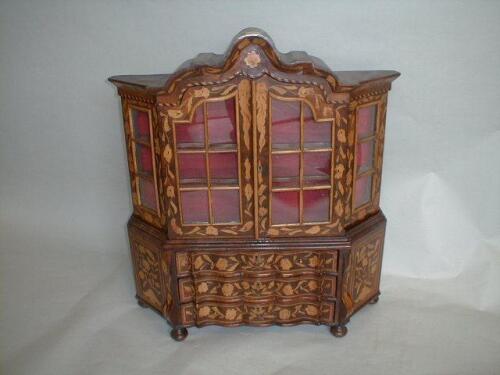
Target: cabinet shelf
(200, 148)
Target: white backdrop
(66, 292)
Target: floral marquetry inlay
(209, 313)
(255, 180)
(258, 289)
(362, 274)
(252, 60)
(286, 262)
(192, 99)
(148, 275)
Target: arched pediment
(251, 54)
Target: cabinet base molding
(259, 283)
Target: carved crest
(251, 54)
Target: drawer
(236, 289)
(285, 262)
(258, 314)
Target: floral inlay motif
(261, 288)
(148, 275)
(362, 273)
(252, 60)
(250, 313)
(284, 261)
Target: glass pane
(223, 168)
(285, 207)
(316, 205)
(364, 156)
(192, 168)
(144, 158)
(317, 168)
(194, 206)
(366, 120)
(226, 204)
(285, 132)
(191, 135)
(221, 122)
(147, 193)
(140, 125)
(316, 134)
(285, 170)
(362, 190)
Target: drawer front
(268, 288)
(256, 263)
(259, 314)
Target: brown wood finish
(255, 272)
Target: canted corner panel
(153, 215)
(357, 214)
(361, 277)
(152, 276)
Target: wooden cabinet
(255, 184)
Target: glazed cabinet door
(209, 179)
(297, 175)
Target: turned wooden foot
(142, 304)
(338, 330)
(179, 334)
(374, 301)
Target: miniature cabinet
(255, 180)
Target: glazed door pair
(253, 159)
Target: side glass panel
(147, 193)
(366, 120)
(362, 190)
(208, 165)
(366, 142)
(140, 124)
(301, 164)
(364, 156)
(143, 157)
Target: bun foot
(179, 334)
(142, 304)
(374, 301)
(338, 330)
